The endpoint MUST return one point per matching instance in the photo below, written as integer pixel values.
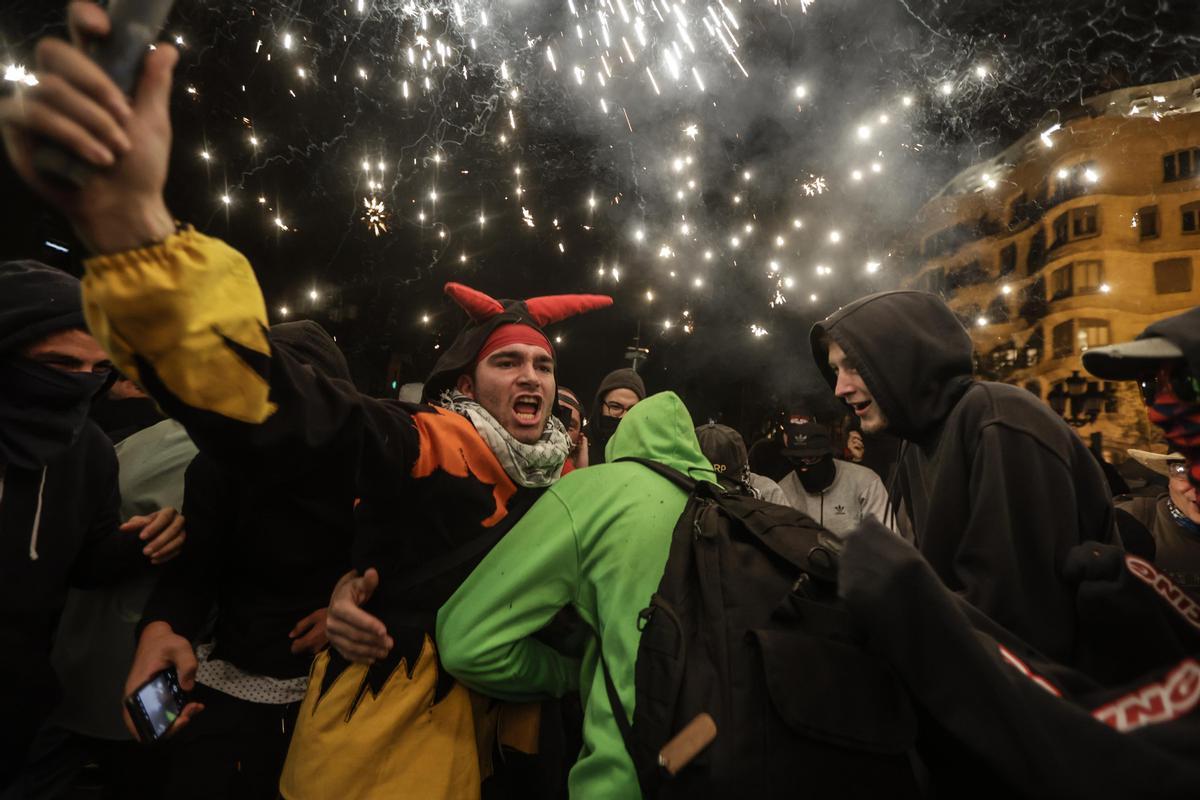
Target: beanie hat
(621, 379)
(488, 315)
(35, 301)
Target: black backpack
(746, 627)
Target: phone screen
(160, 701)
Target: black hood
(311, 344)
(1171, 338)
(1182, 330)
(912, 352)
(35, 301)
(461, 354)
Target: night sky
(649, 137)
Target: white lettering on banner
(1174, 696)
(1188, 608)
(1024, 669)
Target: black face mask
(42, 410)
(603, 428)
(815, 478)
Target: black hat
(725, 448)
(487, 315)
(1176, 337)
(35, 301)
(806, 440)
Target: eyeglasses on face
(615, 409)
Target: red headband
(514, 333)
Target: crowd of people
(444, 596)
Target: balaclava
(42, 410)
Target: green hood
(660, 428)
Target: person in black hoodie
(995, 486)
(266, 553)
(620, 391)
(59, 503)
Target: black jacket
(265, 553)
(72, 541)
(265, 546)
(997, 487)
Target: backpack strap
(618, 709)
(685, 482)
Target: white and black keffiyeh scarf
(531, 465)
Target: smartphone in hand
(155, 705)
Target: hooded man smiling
(997, 487)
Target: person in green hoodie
(597, 541)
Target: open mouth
(527, 408)
(861, 408)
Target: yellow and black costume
(187, 320)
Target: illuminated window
(1088, 276)
(1084, 222)
(1093, 333)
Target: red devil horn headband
(556, 308)
(544, 310)
(479, 306)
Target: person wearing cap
(60, 524)
(726, 450)
(1165, 361)
(438, 483)
(620, 391)
(836, 493)
(1172, 518)
(570, 412)
(994, 487)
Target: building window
(1062, 230)
(1092, 333)
(1173, 275)
(1036, 258)
(1088, 276)
(1190, 218)
(1060, 283)
(1062, 339)
(1181, 165)
(1084, 222)
(1147, 222)
(1008, 259)
(1071, 182)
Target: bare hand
(355, 634)
(581, 452)
(77, 107)
(160, 648)
(309, 634)
(162, 531)
(856, 448)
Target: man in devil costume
(439, 484)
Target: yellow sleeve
(191, 309)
